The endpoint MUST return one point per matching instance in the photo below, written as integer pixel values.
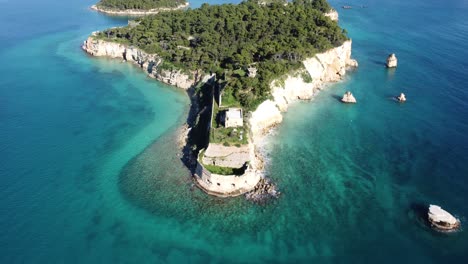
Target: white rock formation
(266, 116)
(348, 98)
(332, 14)
(441, 219)
(402, 97)
(392, 61)
(326, 67)
(148, 62)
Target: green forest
(227, 39)
(139, 4)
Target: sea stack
(392, 61)
(401, 98)
(348, 98)
(442, 220)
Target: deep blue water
(89, 172)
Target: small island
(242, 65)
(348, 98)
(442, 220)
(138, 7)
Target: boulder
(392, 61)
(401, 98)
(441, 219)
(348, 98)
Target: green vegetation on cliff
(139, 4)
(227, 39)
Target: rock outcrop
(348, 98)
(401, 98)
(392, 61)
(441, 219)
(323, 68)
(136, 12)
(264, 190)
(332, 14)
(150, 63)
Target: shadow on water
(337, 97)
(379, 63)
(418, 211)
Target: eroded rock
(348, 98)
(263, 191)
(401, 98)
(442, 220)
(392, 61)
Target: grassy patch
(229, 136)
(218, 169)
(228, 100)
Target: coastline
(134, 12)
(324, 68)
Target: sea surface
(89, 169)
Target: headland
(235, 102)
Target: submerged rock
(348, 98)
(442, 220)
(392, 61)
(401, 97)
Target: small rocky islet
(392, 61)
(441, 220)
(348, 98)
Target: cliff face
(332, 14)
(323, 68)
(150, 63)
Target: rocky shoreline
(263, 191)
(323, 68)
(134, 12)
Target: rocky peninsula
(325, 68)
(309, 76)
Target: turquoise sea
(89, 171)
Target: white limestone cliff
(332, 14)
(323, 68)
(150, 63)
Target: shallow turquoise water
(89, 172)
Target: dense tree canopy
(139, 4)
(226, 39)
